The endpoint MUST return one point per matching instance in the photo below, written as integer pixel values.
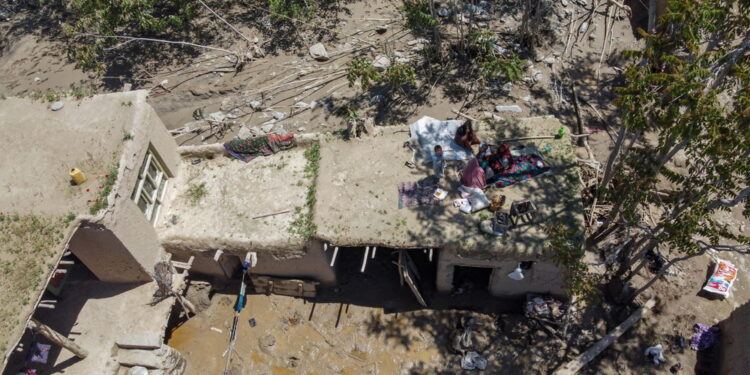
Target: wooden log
(575, 364)
(57, 338)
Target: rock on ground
(508, 108)
(382, 62)
(318, 52)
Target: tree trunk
(574, 365)
(57, 338)
(651, 16)
(611, 160)
(579, 121)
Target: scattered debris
(722, 278)
(704, 337)
(278, 116)
(507, 87)
(216, 330)
(219, 116)
(655, 354)
(543, 307)
(473, 361)
(357, 128)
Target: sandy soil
(207, 82)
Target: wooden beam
(335, 253)
(57, 338)
(575, 364)
(364, 259)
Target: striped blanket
(525, 166)
(247, 149)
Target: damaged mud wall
(310, 265)
(105, 255)
(539, 277)
(313, 265)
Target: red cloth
(495, 160)
(473, 175)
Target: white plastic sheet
(430, 132)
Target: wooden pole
(57, 338)
(575, 364)
(364, 259)
(579, 122)
(335, 253)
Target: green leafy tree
(565, 247)
(124, 17)
(689, 88)
(419, 17)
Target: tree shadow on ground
(283, 32)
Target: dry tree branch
(132, 38)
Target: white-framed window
(150, 188)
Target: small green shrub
(348, 112)
(196, 192)
(51, 96)
(101, 197)
(303, 225)
(494, 67)
(300, 9)
(362, 69)
(400, 75)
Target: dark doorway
(468, 279)
(380, 284)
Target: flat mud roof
(357, 202)
(216, 203)
(40, 146)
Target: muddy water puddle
(288, 340)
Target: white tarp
(430, 132)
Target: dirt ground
(367, 340)
(286, 80)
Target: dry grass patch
(28, 246)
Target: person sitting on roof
(465, 136)
(473, 175)
(501, 160)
